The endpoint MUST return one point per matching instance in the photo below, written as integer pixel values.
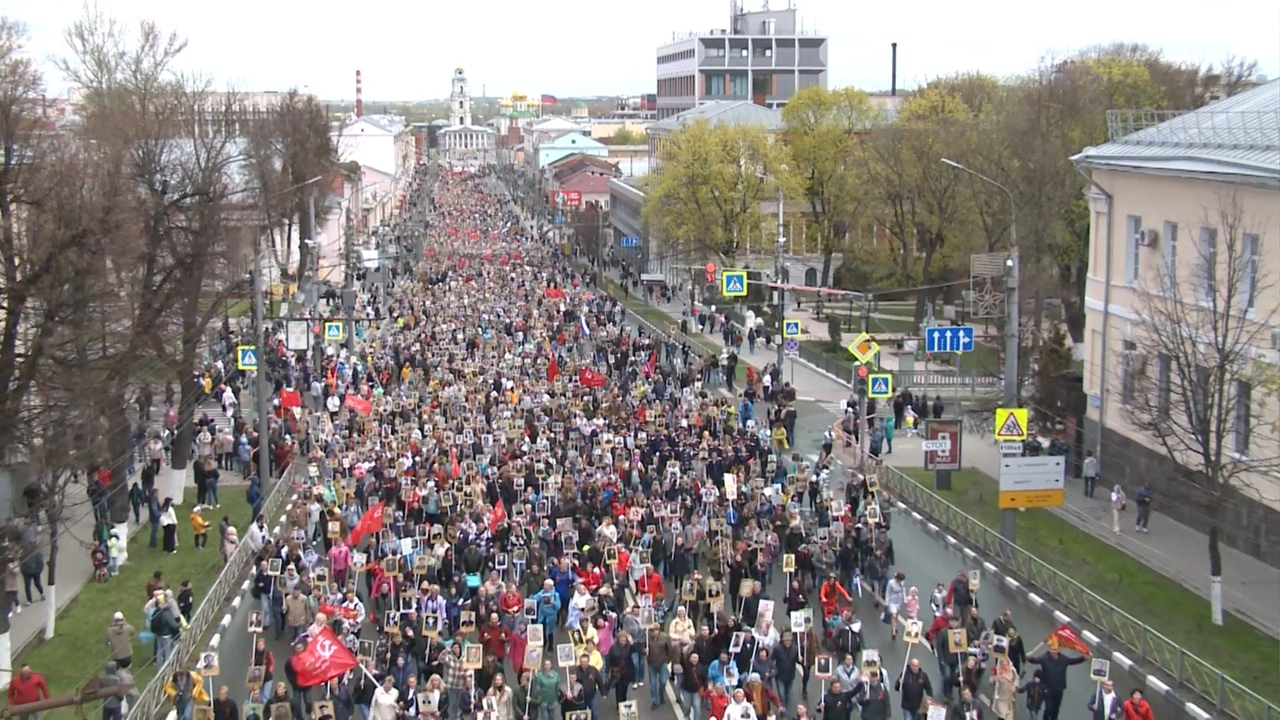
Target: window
(1129, 369)
(716, 52)
(764, 52)
(1249, 249)
(715, 86)
(1208, 263)
(1164, 386)
(742, 52)
(1200, 401)
(1241, 424)
(1170, 244)
(738, 86)
(1098, 229)
(1132, 248)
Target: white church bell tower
(459, 100)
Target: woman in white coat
(1118, 503)
(385, 705)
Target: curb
(1104, 650)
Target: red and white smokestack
(359, 96)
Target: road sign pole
(261, 386)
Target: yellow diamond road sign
(1011, 423)
(863, 348)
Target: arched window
(811, 277)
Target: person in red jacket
(939, 624)
(592, 576)
(27, 687)
(494, 637)
(831, 594)
(650, 583)
(510, 602)
(1137, 707)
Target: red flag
(555, 293)
(359, 405)
(1065, 637)
(498, 517)
(324, 659)
(652, 362)
(553, 370)
(591, 378)
(290, 398)
(370, 522)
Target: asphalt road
(924, 559)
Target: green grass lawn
(78, 650)
(1237, 648)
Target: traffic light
(711, 277)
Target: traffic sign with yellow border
(791, 328)
(246, 357)
(335, 331)
(1011, 424)
(733, 283)
(863, 348)
(880, 385)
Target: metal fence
(152, 699)
(1189, 671)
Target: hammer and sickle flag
(324, 658)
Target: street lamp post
(777, 274)
(1013, 304)
(262, 386)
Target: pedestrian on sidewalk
(12, 580)
(32, 567)
(1090, 473)
(1143, 499)
(1118, 504)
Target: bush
(835, 331)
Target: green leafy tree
(705, 195)
(1048, 395)
(824, 130)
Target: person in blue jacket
(548, 601)
(563, 577)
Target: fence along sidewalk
(1187, 670)
(152, 697)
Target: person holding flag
(1053, 666)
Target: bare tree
(185, 256)
(1189, 377)
(290, 145)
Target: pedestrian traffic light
(862, 371)
(711, 277)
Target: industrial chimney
(893, 77)
(360, 96)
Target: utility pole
(260, 374)
(1012, 341)
(314, 270)
(777, 274)
(860, 384)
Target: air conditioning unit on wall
(1148, 237)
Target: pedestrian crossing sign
(247, 357)
(791, 328)
(880, 386)
(335, 331)
(1011, 424)
(733, 283)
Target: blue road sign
(792, 346)
(559, 218)
(247, 357)
(630, 241)
(880, 386)
(791, 328)
(733, 283)
(334, 331)
(949, 339)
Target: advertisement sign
(566, 198)
(946, 434)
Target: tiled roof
(1238, 136)
(734, 112)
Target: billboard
(947, 433)
(566, 198)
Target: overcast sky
(407, 50)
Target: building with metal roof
(1185, 214)
(726, 112)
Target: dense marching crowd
(517, 507)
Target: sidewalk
(1250, 587)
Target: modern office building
(764, 56)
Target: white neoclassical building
(462, 141)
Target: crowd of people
(518, 507)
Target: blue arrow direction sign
(950, 339)
(629, 241)
(559, 218)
